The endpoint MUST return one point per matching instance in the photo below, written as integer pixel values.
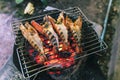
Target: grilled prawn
(61, 29)
(33, 38)
(75, 29)
(48, 31)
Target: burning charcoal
(35, 53)
(64, 54)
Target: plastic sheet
(6, 39)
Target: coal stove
(91, 44)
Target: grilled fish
(33, 38)
(60, 28)
(75, 29)
(48, 31)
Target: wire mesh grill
(91, 43)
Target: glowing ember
(61, 60)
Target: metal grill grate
(90, 42)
